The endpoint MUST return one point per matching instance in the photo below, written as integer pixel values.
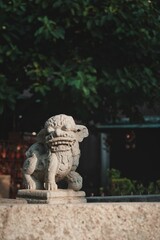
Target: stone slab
(87, 221)
(59, 196)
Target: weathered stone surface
(59, 196)
(95, 221)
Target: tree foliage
(82, 57)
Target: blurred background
(96, 61)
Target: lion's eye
(66, 127)
(50, 129)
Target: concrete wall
(100, 221)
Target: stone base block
(59, 196)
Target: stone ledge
(127, 198)
(12, 201)
(95, 221)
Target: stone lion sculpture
(55, 155)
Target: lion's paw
(50, 186)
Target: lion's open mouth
(60, 144)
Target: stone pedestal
(59, 196)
